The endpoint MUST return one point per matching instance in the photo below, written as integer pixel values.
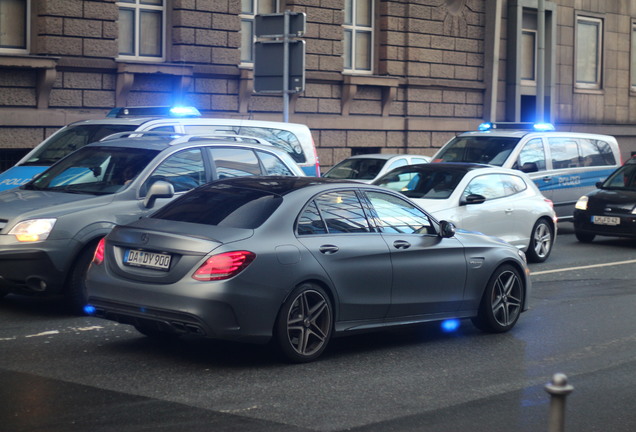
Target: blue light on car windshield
(450, 325)
(181, 111)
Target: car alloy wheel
(305, 324)
(541, 242)
(502, 301)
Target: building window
(14, 26)
(249, 9)
(529, 47)
(141, 29)
(358, 36)
(589, 52)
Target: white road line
(583, 267)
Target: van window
(532, 153)
(596, 152)
(565, 153)
(234, 162)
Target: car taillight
(549, 201)
(224, 266)
(98, 258)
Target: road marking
(583, 267)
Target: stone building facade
(430, 68)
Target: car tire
(541, 241)
(584, 237)
(502, 301)
(304, 324)
(75, 290)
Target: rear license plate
(151, 260)
(606, 220)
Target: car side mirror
(159, 189)
(529, 167)
(598, 185)
(472, 199)
(447, 229)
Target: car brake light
(549, 201)
(224, 266)
(98, 258)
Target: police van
(564, 165)
(293, 138)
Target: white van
(564, 165)
(293, 138)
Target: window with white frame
(589, 52)
(358, 36)
(14, 26)
(142, 29)
(633, 58)
(249, 9)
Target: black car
(611, 209)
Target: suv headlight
(33, 230)
(581, 204)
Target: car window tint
(222, 206)
(342, 212)
(532, 153)
(488, 185)
(488, 150)
(310, 221)
(395, 215)
(273, 165)
(235, 162)
(185, 170)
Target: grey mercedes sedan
(298, 260)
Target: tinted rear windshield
(478, 149)
(70, 139)
(222, 206)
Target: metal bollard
(558, 389)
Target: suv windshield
(221, 205)
(490, 150)
(94, 170)
(70, 139)
(622, 178)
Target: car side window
(596, 152)
(396, 164)
(488, 185)
(512, 184)
(273, 165)
(395, 215)
(234, 162)
(334, 213)
(532, 155)
(185, 170)
(565, 153)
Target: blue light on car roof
(543, 127)
(485, 126)
(183, 111)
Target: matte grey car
(49, 227)
(298, 260)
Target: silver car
(299, 260)
(49, 227)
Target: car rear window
(222, 206)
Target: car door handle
(329, 249)
(401, 244)
(547, 178)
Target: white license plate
(606, 220)
(152, 260)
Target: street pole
(541, 63)
(286, 67)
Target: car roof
(282, 184)
(449, 166)
(518, 133)
(386, 156)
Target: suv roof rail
(219, 136)
(154, 111)
(137, 134)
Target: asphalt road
(64, 373)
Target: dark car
(299, 260)
(610, 210)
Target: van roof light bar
(539, 127)
(154, 111)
